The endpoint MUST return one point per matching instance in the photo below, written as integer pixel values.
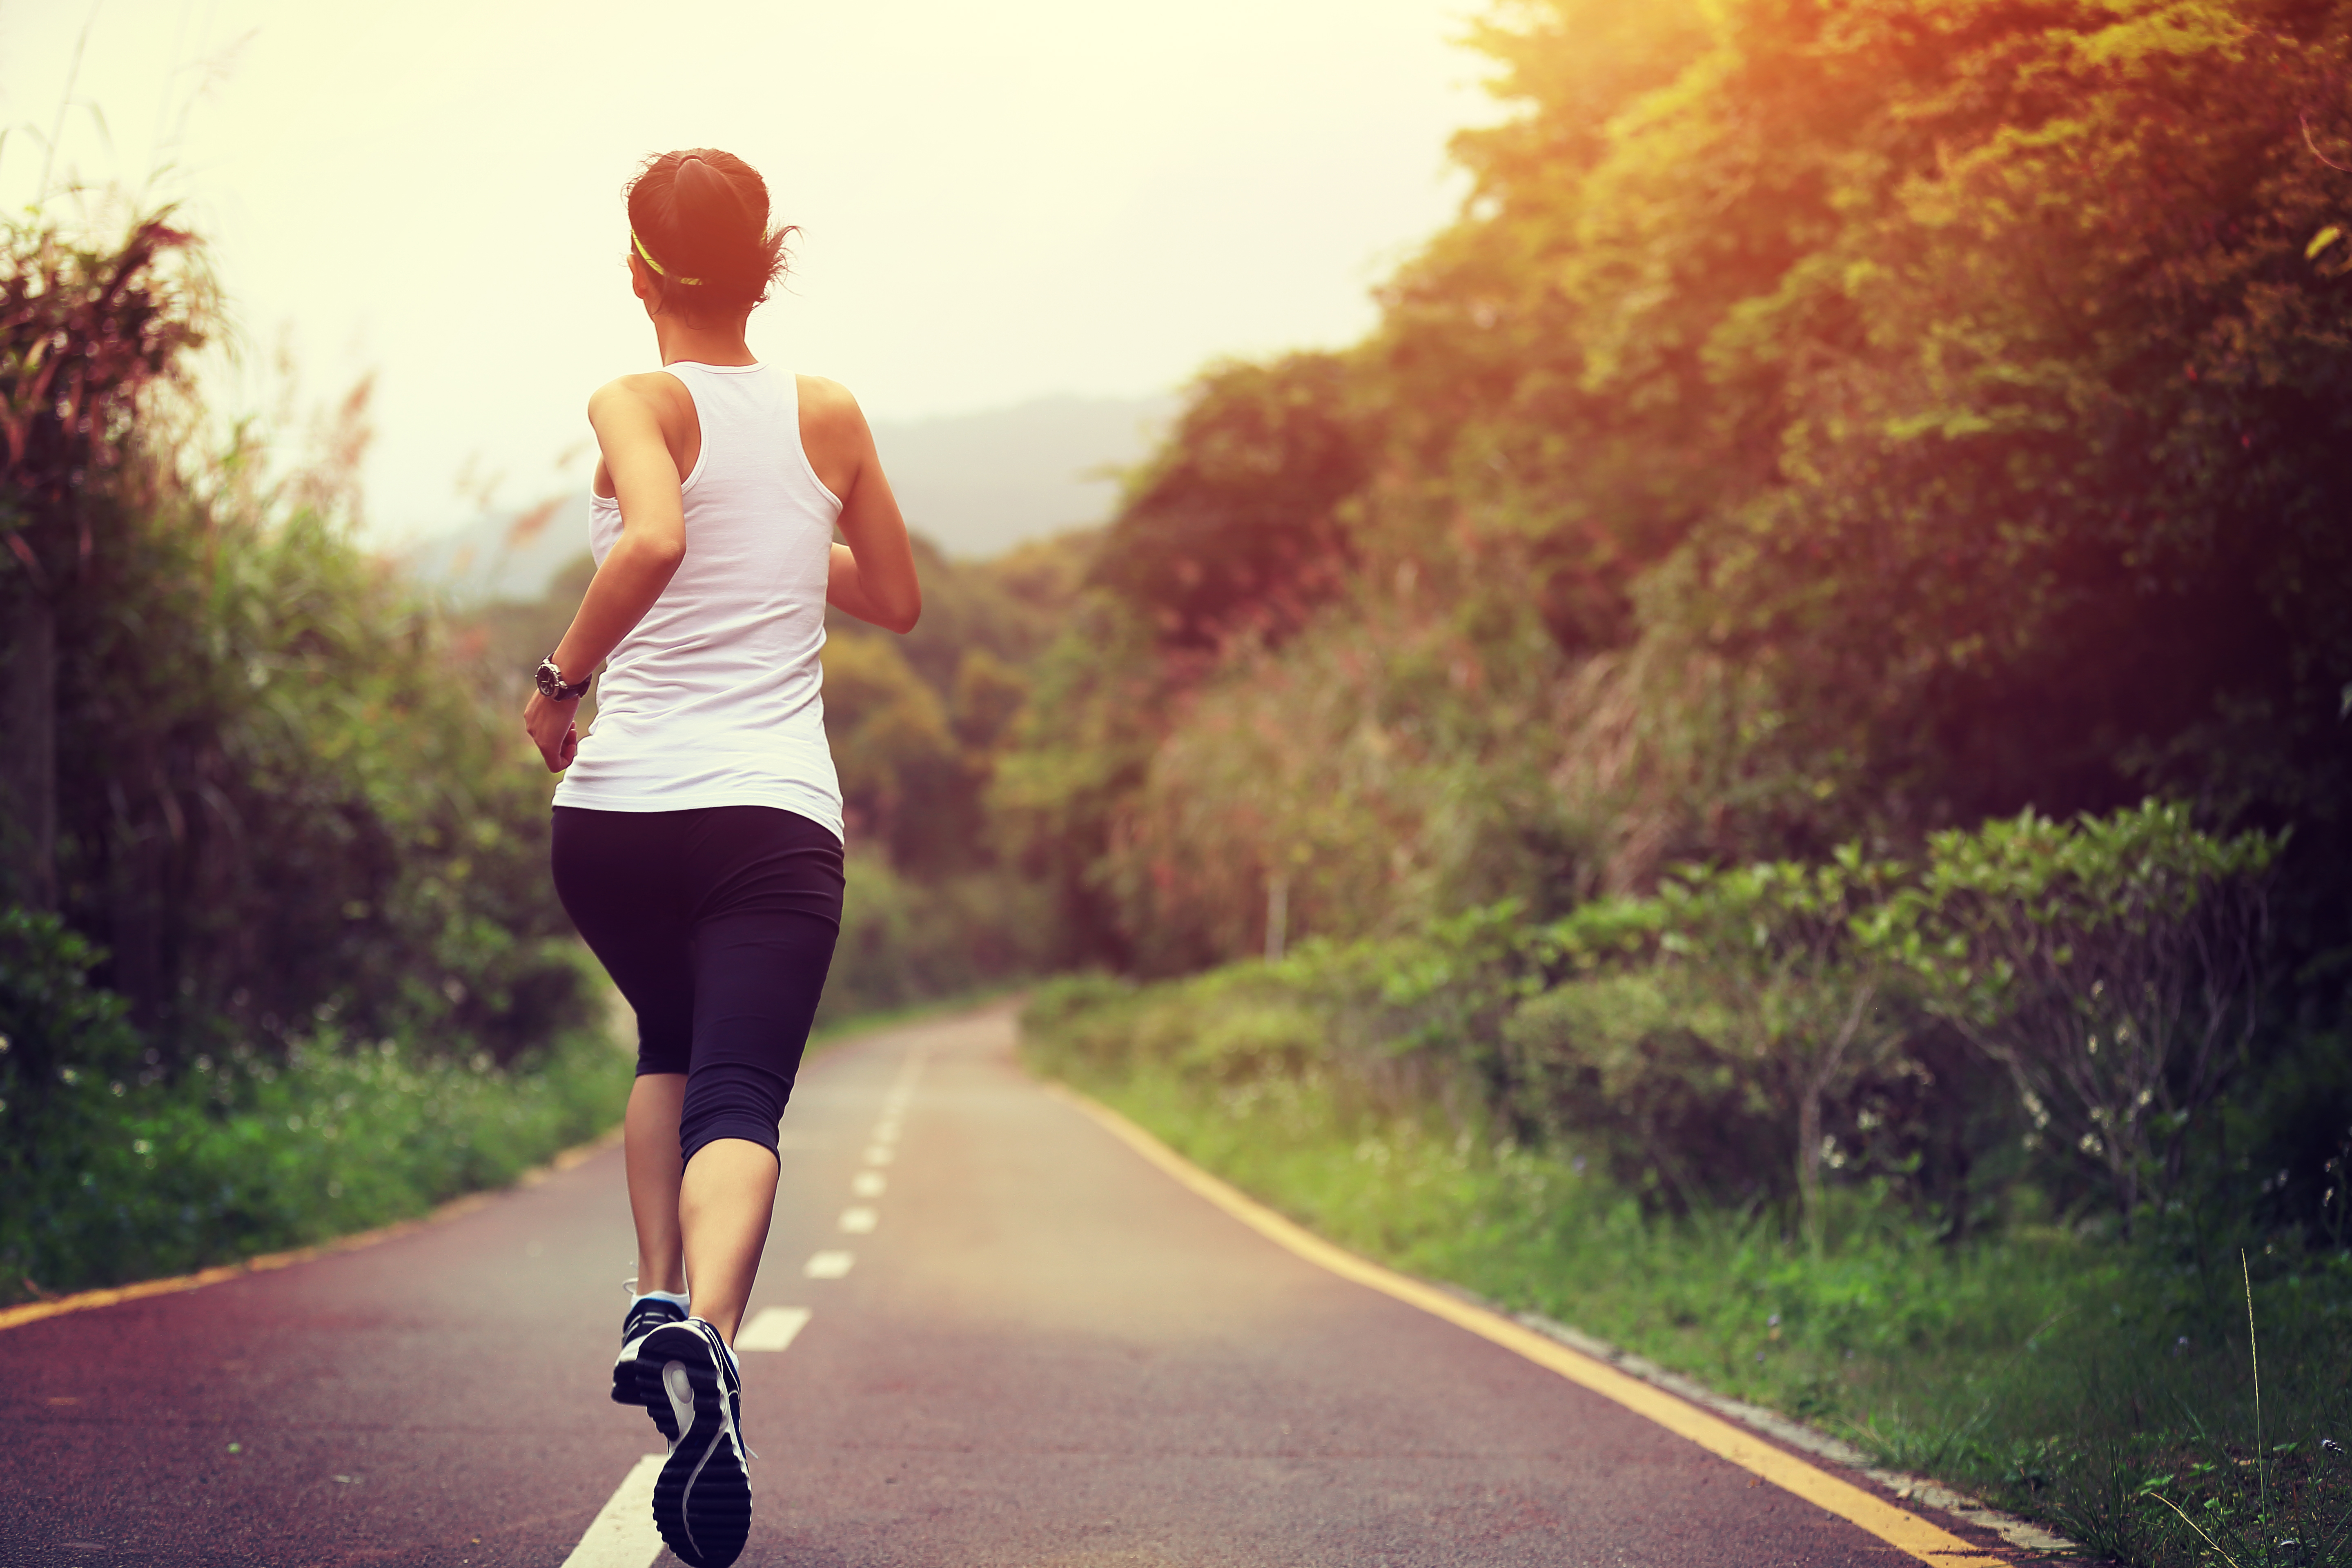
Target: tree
(86, 327)
(1233, 528)
(890, 735)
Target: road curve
(1019, 1345)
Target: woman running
(697, 835)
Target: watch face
(550, 685)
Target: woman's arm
(644, 469)
(872, 576)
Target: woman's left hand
(549, 725)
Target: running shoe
(703, 1499)
(646, 1314)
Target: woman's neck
(721, 344)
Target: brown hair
(703, 216)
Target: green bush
(56, 1027)
(1591, 1116)
(282, 803)
(1755, 1036)
(2113, 966)
(117, 1171)
(240, 755)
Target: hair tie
(658, 269)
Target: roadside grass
(245, 1155)
(2106, 1390)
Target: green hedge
(115, 1171)
(1958, 1157)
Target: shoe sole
(703, 1499)
(624, 1372)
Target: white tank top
(714, 699)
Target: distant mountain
(977, 484)
(510, 556)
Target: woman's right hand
(549, 724)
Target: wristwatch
(551, 684)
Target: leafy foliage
(86, 325)
(1607, 1115)
(907, 940)
(1903, 425)
(1233, 529)
(55, 1028)
(1774, 973)
(275, 803)
(1894, 414)
(273, 835)
(90, 325)
(1752, 1036)
(117, 1170)
(2113, 966)
(2056, 1373)
(282, 805)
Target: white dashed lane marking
(869, 1184)
(828, 1265)
(771, 1328)
(859, 1221)
(623, 1535)
(878, 1155)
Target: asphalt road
(1033, 1348)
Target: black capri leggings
(718, 925)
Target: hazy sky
(997, 202)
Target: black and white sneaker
(703, 1499)
(646, 1314)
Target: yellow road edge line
(83, 1300)
(1904, 1530)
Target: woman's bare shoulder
(655, 389)
(833, 430)
(829, 402)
